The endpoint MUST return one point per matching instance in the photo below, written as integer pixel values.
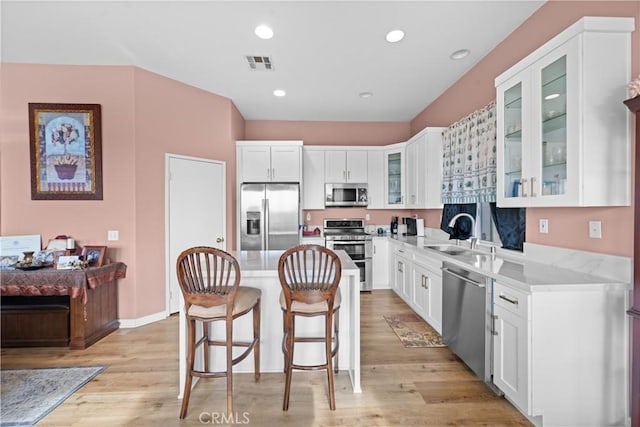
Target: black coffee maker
(394, 225)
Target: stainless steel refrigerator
(269, 216)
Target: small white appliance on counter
(420, 227)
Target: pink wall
(144, 116)
(171, 117)
(86, 221)
(329, 133)
(568, 227)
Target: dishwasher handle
(461, 277)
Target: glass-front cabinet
(395, 176)
(553, 126)
(512, 139)
(558, 128)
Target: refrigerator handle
(265, 210)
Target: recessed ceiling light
(395, 36)
(551, 96)
(459, 54)
(263, 32)
(279, 92)
(365, 94)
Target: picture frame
(67, 262)
(66, 151)
(57, 255)
(43, 257)
(94, 255)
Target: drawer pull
(509, 300)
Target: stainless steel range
(349, 235)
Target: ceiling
(324, 53)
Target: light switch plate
(544, 226)
(113, 235)
(595, 229)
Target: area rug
(27, 395)
(413, 331)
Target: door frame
(223, 244)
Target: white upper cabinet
(375, 173)
(394, 172)
(424, 169)
(313, 179)
(345, 166)
(562, 132)
(269, 161)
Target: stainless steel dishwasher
(466, 317)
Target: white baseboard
(141, 321)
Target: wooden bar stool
(210, 282)
(309, 276)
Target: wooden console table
(92, 299)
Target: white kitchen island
(259, 269)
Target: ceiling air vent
(259, 63)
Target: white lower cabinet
(417, 279)
(560, 354)
(427, 290)
(380, 263)
(419, 290)
(402, 274)
(511, 352)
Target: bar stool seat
(316, 307)
(246, 298)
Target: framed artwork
(66, 151)
(94, 255)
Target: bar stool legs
(229, 344)
(331, 353)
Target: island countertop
(265, 263)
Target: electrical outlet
(113, 235)
(308, 216)
(595, 229)
(544, 226)
(367, 217)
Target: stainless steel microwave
(345, 195)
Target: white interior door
(196, 212)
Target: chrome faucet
(473, 240)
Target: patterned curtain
(469, 158)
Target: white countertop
(265, 263)
(513, 270)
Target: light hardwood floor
(401, 386)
